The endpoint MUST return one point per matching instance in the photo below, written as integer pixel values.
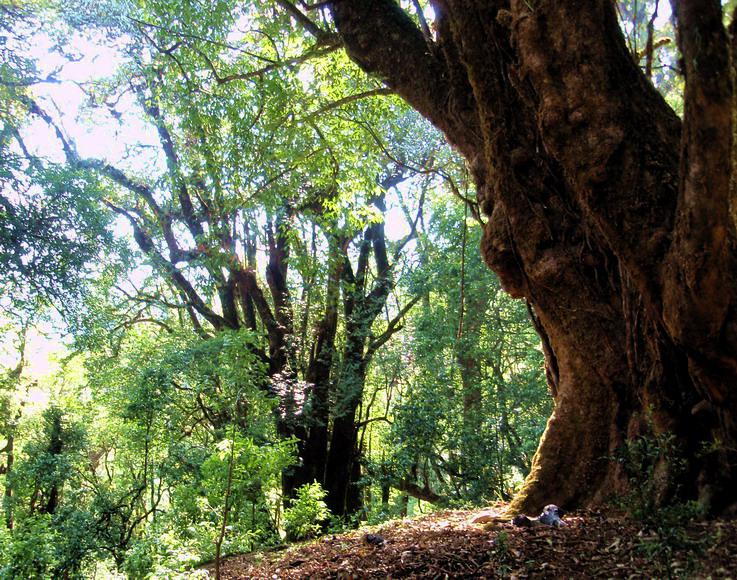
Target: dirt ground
(448, 545)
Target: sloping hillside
(448, 545)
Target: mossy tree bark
(609, 214)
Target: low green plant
(346, 523)
(501, 546)
(305, 518)
(31, 550)
(654, 466)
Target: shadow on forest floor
(448, 545)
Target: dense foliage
(277, 320)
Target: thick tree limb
(592, 128)
(697, 287)
(421, 493)
(383, 40)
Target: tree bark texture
(362, 304)
(609, 214)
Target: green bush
(655, 467)
(31, 551)
(307, 514)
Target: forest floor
(448, 545)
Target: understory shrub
(305, 518)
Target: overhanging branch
(302, 18)
(421, 493)
(346, 100)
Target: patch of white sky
(664, 14)
(95, 133)
(43, 352)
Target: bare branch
(346, 100)
(422, 493)
(472, 203)
(413, 227)
(143, 319)
(199, 38)
(423, 22)
(384, 419)
(318, 50)
(649, 46)
(392, 328)
(303, 19)
(146, 244)
(172, 161)
(50, 78)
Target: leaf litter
(448, 545)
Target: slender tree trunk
(624, 249)
(226, 507)
(56, 448)
(469, 336)
(362, 306)
(10, 460)
(385, 491)
(470, 368)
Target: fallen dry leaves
(449, 545)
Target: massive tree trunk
(605, 211)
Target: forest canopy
(302, 265)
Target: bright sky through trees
(276, 290)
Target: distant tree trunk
(385, 492)
(340, 481)
(314, 451)
(14, 380)
(623, 247)
(467, 338)
(55, 449)
(362, 305)
(470, 367)
(10, 460)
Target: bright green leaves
(51, 232)
(473, 400)
(307, 515)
